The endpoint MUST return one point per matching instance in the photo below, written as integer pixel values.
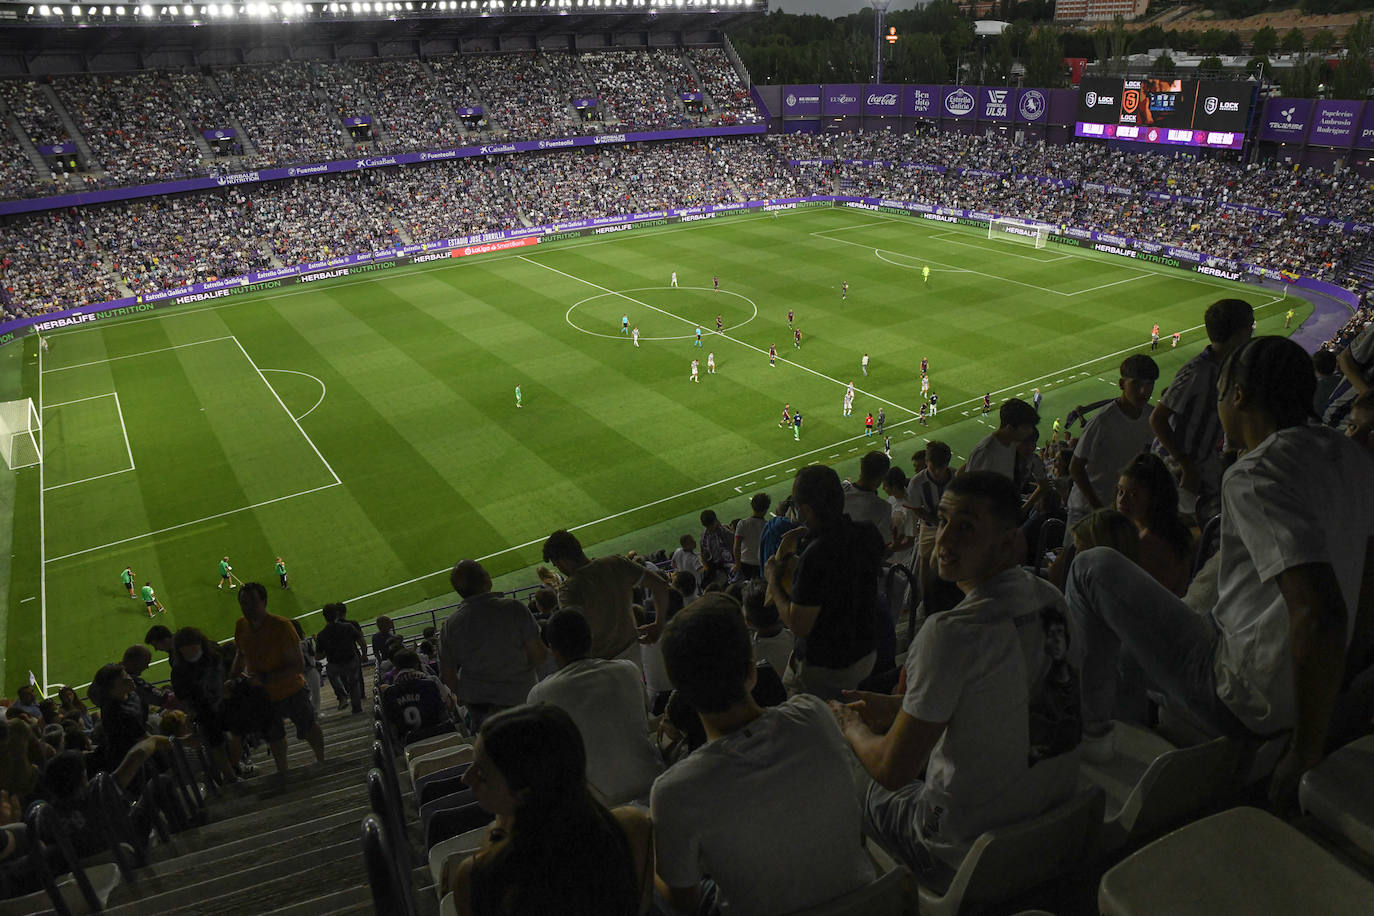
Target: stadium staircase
(41, 167)
(272, 846)
(94, 168)
(1362, 274)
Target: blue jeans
(1116, 606)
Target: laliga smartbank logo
(1032, 105)
(959, 102)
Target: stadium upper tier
(136, 128)
(62, 258)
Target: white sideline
(719, 334)
(110, 359)
(42, 529)
(94, 397)
(196, 521)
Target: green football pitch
(366, 428)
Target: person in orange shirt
(269, 651)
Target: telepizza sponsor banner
(357, 122)
(883, 100)
(921, 101)
(959, 102)
(1286, 120)
(475, 111)
(996, 103)
(842, 99)
(1365, 138)
(223, 133)
(801, 101)
(59, 149)
(589, 102)
(692, 96)
(1335, 122)
(370, 162)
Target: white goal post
(18, 422)
(1019, 230)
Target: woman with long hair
(552, 848)
(1148, 496)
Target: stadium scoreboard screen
(1209, 113)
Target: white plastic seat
(438, 760)
(447, 906)
(461, 845)
(1241, 862)
(1339, 793)
(887, 895)
(437, 743)
(1009, 860)
(1152, 785)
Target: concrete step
(278, 881)
(355, 899)
(202, 845)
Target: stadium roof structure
(91, 27)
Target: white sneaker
(1099, 748)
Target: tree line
(936, 44)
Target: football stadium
(969, 477)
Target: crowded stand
(286, 118)
(16, 171)
(730, 101)
(634, 90)
(30, 107)
(522, 95)
(133, 126)
(199, 102)
(82, 255)
(409, 114)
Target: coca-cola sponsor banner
(959, 102)
(1063, 106)
(1334, 123)
(801, 101)
(996, 103)
(223, 133)
(921, 101)
(1286, 120)
(1365, 138)
(883, 101)
(843, 99)
(1033, 107)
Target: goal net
(18, 424)
(1019, 230)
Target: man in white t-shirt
(997, 451)
(991, 708)
(1120, 431)
(748, 537)
(763, 775)
(1297, 520)
(605, 697)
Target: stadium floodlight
(188, 11)
(119, 11)
(104, 10)
(43, 10)
(76, 11)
